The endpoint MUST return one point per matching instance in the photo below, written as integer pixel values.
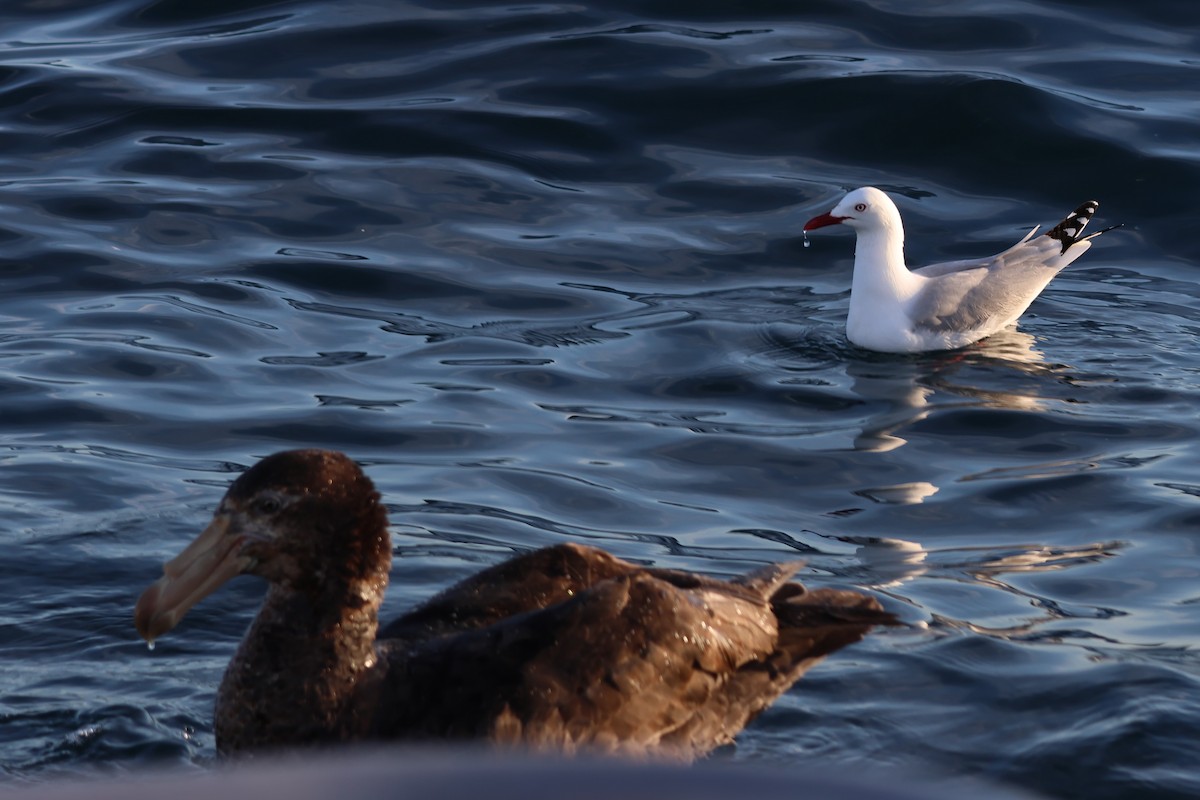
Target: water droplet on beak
(149, 645)
(807, 243)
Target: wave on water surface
(539, 269)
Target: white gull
(942, 306)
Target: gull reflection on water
(907, 386)
(887, 564)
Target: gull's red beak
(822, 221)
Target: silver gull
(942, 306)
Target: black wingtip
(1068, 231)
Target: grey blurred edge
(446, 774)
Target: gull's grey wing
(968, 295)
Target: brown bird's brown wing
(528, 582)
(650, 662)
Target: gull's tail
(1068, 231)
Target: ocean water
(539, 268)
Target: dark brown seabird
(565, 649)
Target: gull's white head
(865, 209)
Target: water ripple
(539, 268)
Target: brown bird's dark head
(308, 521)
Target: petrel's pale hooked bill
(942, 306)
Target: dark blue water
(539, 268)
